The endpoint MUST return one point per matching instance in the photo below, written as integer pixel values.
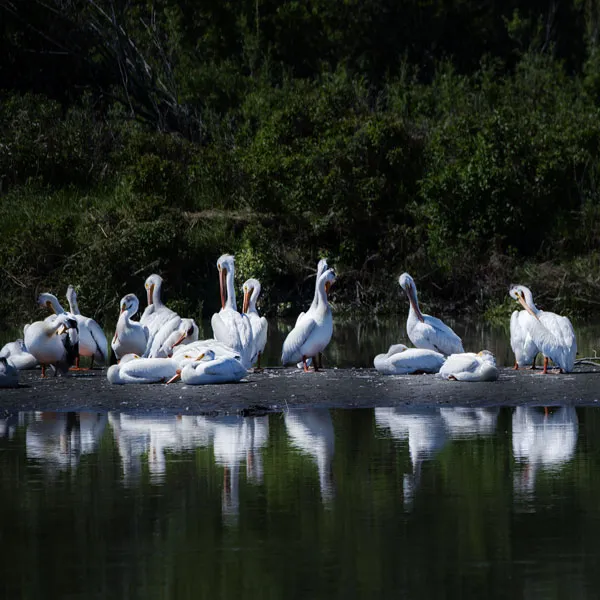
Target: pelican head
(152, 282)
(128, 357)
(396, 349)
(329, 276)
(523, 296)
(71, 294)
(187, 328)
(321, 267)
(129, 303)
(487, 356)
(251, 291)
(206, 356)
(407, 283)
(50, 301)
(225, 264)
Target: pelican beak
(123, 308)
(201, 356)
(175, 377)
(63, 330)
(150, 292)
(410, 292)
(222, 276)
(327, 286)
(183, 336)
(50, 307)
(526, 306)
(246, 300)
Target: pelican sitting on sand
(469, 366)
(400, 360)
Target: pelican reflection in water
(542, 440)
(58, 440)
(311, 432)
(425, 432)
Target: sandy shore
(278, 388)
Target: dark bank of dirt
(275, 389)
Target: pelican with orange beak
(260, 326)
(186, 333)
(229, 326)
(131, 337)
(552, 334)
(311, 334)
(425, 331)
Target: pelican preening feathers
(546, 332)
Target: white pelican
(425, 331)
(209, 368)
(228, 325)
(133, 369)
(469, 366)
(17, 354)
(400, 360)
(312, 333)
(160, 320)
(53, 342)
(553, 335)
(131, 337)
(321, 268)
(185, 334)
(92, 341)
(522, 344)
(259, 324)
(311, 431)
(470, 422)
(9, 376)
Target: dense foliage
(458, 141)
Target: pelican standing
(131, 337)
(321, 268)
(425, 331)
(469, 366)
(259, 324)
(160, 320)
(229, 326)
(400, 360)
(312, 333)
(553, 334)
(92, 341)
(521, 342)
(53, 342)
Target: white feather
(400, 360)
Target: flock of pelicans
(163, 347)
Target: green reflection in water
(307, 504)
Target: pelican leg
(316, 362)
(452, 378)
(43, 370)
(545, 370)
(320, 360)
(516, 367)
(304, 364)
(258, 368)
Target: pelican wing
(521, 341)
(561, 341)
(99, 340)
(438, 336)
(466, 362)
(291, 351)
(416, 359)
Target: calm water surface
(444, 503)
